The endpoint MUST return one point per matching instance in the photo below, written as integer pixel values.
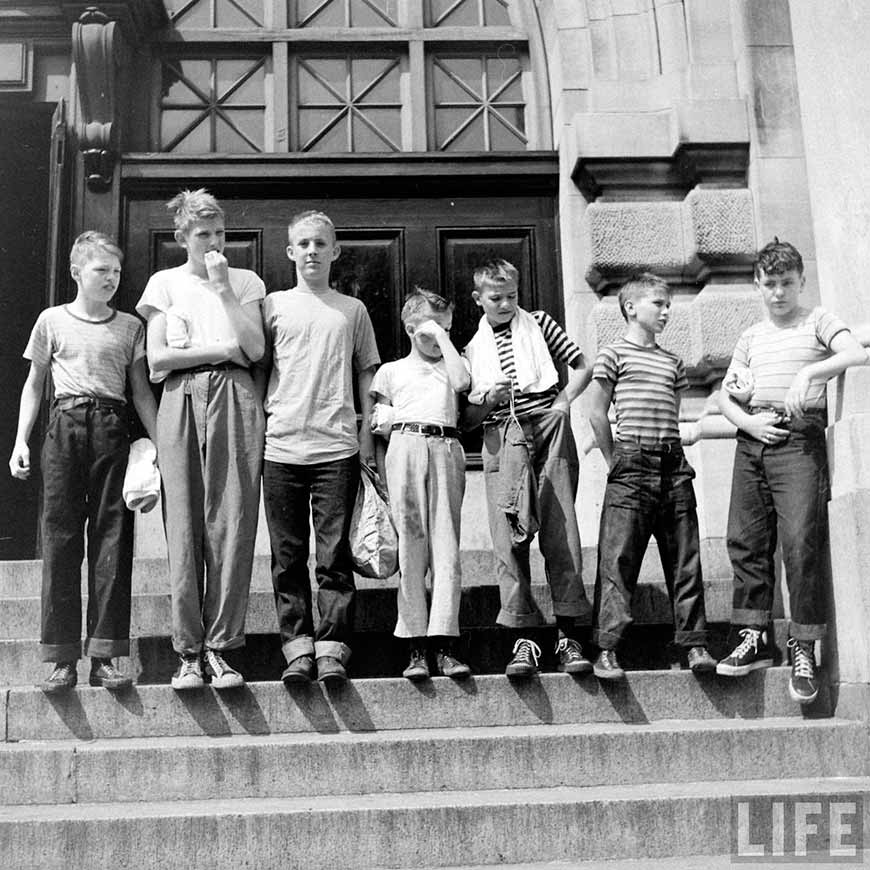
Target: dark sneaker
(803, 685)
(418, 667)
(299, 671)
(330, 670)
(607, 667)
(62, 679)
(700, 661)
(570, 657)
(105, 674)
(222, 675)
(189, 674)
(525, 659)
(751, 654)
(450, 666)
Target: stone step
(393, 704)
(23, 579)
(434, 829)
(150, 614)
(431, 759)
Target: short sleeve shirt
(190, 295)
(645, 382)
(85, 357)
(419, 391)
(776, 354)
(318, 341)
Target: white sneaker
(189, 674)
(222, 675)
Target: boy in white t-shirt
(322, 344)
(204, 331)
(425, 471)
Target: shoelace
(189, 666)
(803, 664)
(62, 671)
(750, 636)
(567, 644)
(528, 649)
(218, 665)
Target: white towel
(142, 480)
(382, 419)
(535, 370)
(177, 327)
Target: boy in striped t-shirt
(649, 486)
(530, 463)
(780, 481)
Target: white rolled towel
(142, 480)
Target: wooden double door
(387, 247)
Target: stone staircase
(556, 772)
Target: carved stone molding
(99, 50)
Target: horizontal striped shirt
(775, 354)
(645, 382)
(562, 350)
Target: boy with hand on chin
(649, 486)
(530, 463)
(204, 331)
(93, 353)
(425, 473)
(320, 341)
(780, 481)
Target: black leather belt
(220, 367)
(661, 447)
(67, 402)
(427, 429)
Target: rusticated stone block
(720, 227)
(622, 236)
(702, 330)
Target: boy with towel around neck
(530, 463)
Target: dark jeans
(649, 492)
(84, 460)
(780, 491)
(329, 490)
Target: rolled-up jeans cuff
(333, 648)
(299, 646)
(520, 620)
(751, 618)
(807, 632)
(605, 639)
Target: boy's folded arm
(163, 358)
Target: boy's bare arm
(598, 404)
(473, 415)
(246, 320)
(578, 379)
(143, 398)
(366, 439)
(763, 427)
(847, 352)
(457, 373)
(31, 399)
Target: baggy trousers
(556, 471)
(210, 430)
(426, 480)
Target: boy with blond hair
(530, 463)
(649, 484)
(320, 342)
(93, 353)
(204, 331)
(780, 481)
(425, 472)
